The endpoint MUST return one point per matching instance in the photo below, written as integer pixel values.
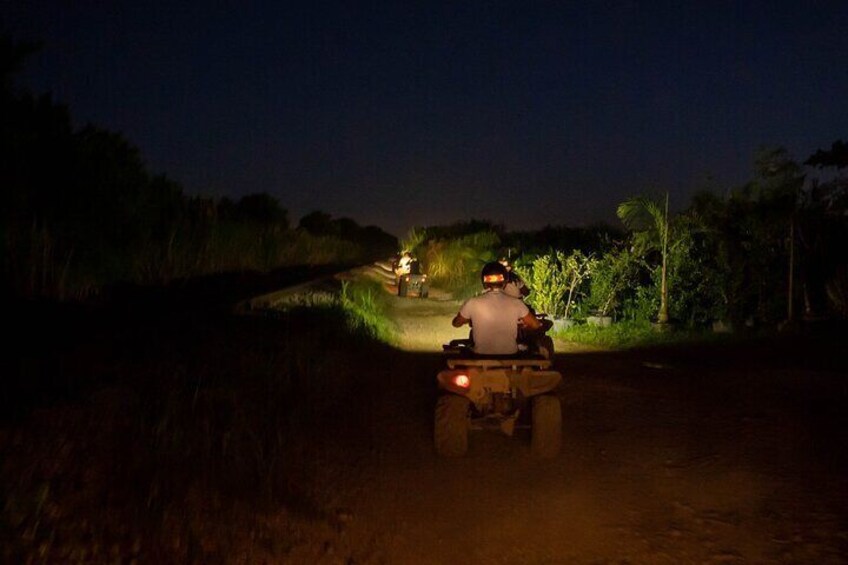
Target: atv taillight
(462, 381)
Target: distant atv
(416, 284)
(412, 280)
(496, 392)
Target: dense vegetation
(81, 211)
(763, 253)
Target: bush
(642, 304)
(554, 281)
(366, 303)
(613, 274)
(627, 334)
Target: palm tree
(648, 219)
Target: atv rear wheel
(403, 287)
(451, 433)
(546, 429)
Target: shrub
(555, 280)
(612, 275)
(365, 304)
(628, 334)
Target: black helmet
(494, 275)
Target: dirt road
(733, 454)
(192, 435)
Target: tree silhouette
(317, 223)
(836, 157)
(263, 209)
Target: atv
(415, 283)
(498, 392)
(412, 280)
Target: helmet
(493, 275)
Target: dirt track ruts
(713, 454)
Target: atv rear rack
(487, 363)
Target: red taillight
(462, 381)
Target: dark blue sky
(402, 113)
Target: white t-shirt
(494, 319)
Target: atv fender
(532, 383)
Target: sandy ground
(729, 455)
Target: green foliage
(643, 302)
(628, 334)
(613, 274)
(646, 218)
(413, 240)
(742, 244)
(651, 226)
(455, 263)
(693, 276)
(365, 304)
(555, 280)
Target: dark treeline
(81, 211)
(771, 249)
(757, 254)
(593, 238)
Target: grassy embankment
(630, 334)
(182, 436)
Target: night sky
(400, 113)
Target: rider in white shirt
(494, 315)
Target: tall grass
(206, 425)
(630, 334)
(365, 304)
(39, 262)
(455, 263)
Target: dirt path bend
(733, 454)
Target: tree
(262, 208)
(317, 223)
(648, 219)
(836, 157)
(822, 229)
